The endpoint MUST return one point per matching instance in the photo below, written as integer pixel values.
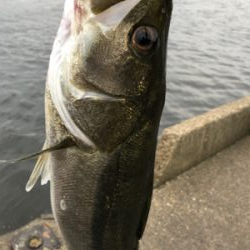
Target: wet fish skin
(101, 186)
(106, 195)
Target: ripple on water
(208, 65)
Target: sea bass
(104, 97)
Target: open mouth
(113, 16)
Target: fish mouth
(111, 17)
(107, 14)
(98, 6)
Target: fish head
(120, 49)
(112, 73)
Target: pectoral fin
(66, 143)
(42, 167)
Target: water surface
(208, 65)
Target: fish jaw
(98, 6)
(107, 14)
(110, 18)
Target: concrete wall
(187, 144)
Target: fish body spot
(63, 205)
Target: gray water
(208, 65)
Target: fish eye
(144, 40)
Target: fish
(104, 96)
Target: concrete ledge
(205, 208)
(187, 144)
(18, 239)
